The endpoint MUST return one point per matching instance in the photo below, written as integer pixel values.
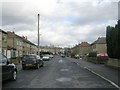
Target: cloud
(16, 13)
(87, 12)
(119, 10)
(62, 22)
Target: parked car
(62, 55)
(51, 56)
(32, 61)
(46, 57)
(9, 70)
(76, 56)
(102, 56)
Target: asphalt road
(57, 73)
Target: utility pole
(38, 36)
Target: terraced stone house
(99, 45)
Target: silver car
(46, 57)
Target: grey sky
(62, 22)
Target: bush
(92, 54)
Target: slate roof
(12, 35)
(3, 31)
(84, 44)
(100, 40)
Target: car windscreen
(0, 58)
(28, 57)
(3, 59)
(46, 56)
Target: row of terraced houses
(84, 48)
(13, 45)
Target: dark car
(32, 61)
(9, 70)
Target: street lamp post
(39, 44)
(38, 35)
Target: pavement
(106, 73)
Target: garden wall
(113, 63)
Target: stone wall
(113, 63)
(97, 60)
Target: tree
(118, 50)
(92, 54)
(113, 41)
(109, 41)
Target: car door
(6, 68)
(38, 59)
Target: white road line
(60, 61)
(64, 79)
(78, 64)
(64, 69)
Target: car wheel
(23, 68)
(38, 66)
(14, 76)
(42, 65)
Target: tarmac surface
(65, 73)
(101, 70)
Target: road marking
(78, 64)
(63, 79)
(64, 69)
(61, 61)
